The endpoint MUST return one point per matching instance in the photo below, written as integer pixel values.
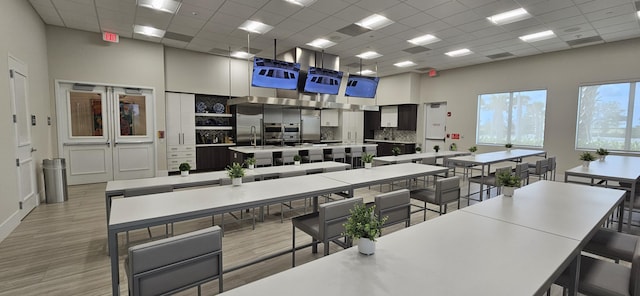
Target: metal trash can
(55, 180)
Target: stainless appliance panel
(248, 125)
(310, 126)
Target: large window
(609, 117)
(512, 117)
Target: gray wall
(23, 37)
(560, 73)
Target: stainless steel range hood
(300, 103)
(295, 98)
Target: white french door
(105, 132)
(26, 168)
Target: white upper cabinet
(389, 116)
(329, 117)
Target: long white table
(485, 160)
(613, 168)
(416, 156)
(158, 209)
(504, 246)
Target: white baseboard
(9, 225)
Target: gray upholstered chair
(604, 278)
(324, 226)
(145, 191)
(612, 244)
(337, 154)
(447, 190)
(242, 215)
(395, 205)
(313, 156)
(354, 156)
(174, 264)
(287, 157)
(288, 206)
(263, 158)
(432, 160)
(551, 168)
(522, 171)
(539, 169)
(490, 181)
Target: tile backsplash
(391, 133)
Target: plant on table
(396, 151)
(453, 147)
(184, 169)
(508, 182)
(418, 149)
(296, 159)
(473, 149)
(508, 145)
(587, 156)
(436, 148)
(251, 162)
(602, 153)
(367, 159)
(365, 225)
(235, 170)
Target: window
(609, 117)
(512, 117)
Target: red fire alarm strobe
(433, 73)
(110, 37)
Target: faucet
(254, 136)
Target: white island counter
(251, 149)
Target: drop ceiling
(212, 26)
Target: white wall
(560, 73)
(83, 56)
(23, 35)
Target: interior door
(435, 125)
(105, 133)
(26, 169)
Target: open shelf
(214, 114)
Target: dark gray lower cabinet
(384, 149)
(212, 158)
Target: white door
(26, 169)
(105, 133)
(435, 129)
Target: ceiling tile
(462, 18)
(597, 5)
(424, 5)
(610, 12)
(446, 9)
(328, 6)
(206, 4)
(238, 10)
(418, 19)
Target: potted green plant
(184, 169)
(587, 158)
(508, 182)
(235, 172)
(396, 151)
(367, 159)
(364, 225)
(436, 148)
(508, 146)
(473, 150)
(602, 153)
(453, 147)
(296, 159)
(418, 149)
(251, 163)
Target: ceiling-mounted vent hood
(299, 103)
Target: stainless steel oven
(273, 134)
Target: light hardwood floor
(60, 249)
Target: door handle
(33, 150)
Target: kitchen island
(240, 153)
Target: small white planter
(366, 246)
(367, 165)
(585, 164)
(184, 173)
(602, 157)
(236, 181)
(509, 150)
(297, 162)
(508, 191)
(251, 166)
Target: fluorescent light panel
(405, 64)
(424, 40)
(366, 72)
(321, 43)
(169, 6)
(509, 16)
(459, 52)
(255, 27)
(148, 31)
(305, 3)
(538, 36)
(369, 55)
(241, 54)
(639, 13)
(374, 22)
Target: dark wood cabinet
(371, 123)
(384, 149)
(407, 117)
(213, 158)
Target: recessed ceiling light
(424, 40)
(374, 22)
(241, 54)
(638, 13)
(405, 64)
(148, 31)
(169, 6)
(366, 72)
(255, 27)
(321, 43)
(459, 52)
(509, 16)
(369, 55)
(538, 36)
(301, 2)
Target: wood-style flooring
(60, 249)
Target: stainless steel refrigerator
(249, 125)
(310, 125)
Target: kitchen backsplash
(328, 133)
(390, 133)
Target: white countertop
(251, 149)
(389, 141)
